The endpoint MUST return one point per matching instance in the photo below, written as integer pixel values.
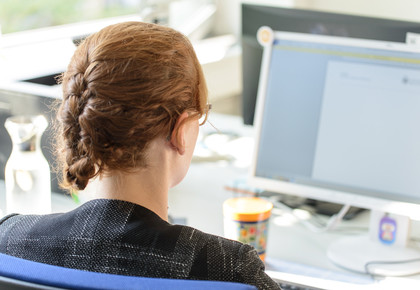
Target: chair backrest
(16, 273)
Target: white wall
(228, 16)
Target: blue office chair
(16, 274)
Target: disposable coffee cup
(246, 220)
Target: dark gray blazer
(118, 237)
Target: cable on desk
(331, 224)
(372, 263)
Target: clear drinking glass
(27, 172)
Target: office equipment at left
(23, 103)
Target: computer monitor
(338, 120)
(304, 21)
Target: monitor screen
(338, 120)
(304, 21)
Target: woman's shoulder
(218, 258)
(216, 247)
(7, 222)
(194, 234)
(7, 217)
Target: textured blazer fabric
(119, 237)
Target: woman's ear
(177, 138)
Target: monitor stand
(330, 208)
(315, 206)
(385, 251)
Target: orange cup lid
(247, 209)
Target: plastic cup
(246, 220)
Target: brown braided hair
(125, 86)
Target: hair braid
(79, 168)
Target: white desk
(199, 199)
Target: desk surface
(199, 200)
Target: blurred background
(38, 37)
(219, 20)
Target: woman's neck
(135, 188)
(147, 187)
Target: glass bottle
(27, 173)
